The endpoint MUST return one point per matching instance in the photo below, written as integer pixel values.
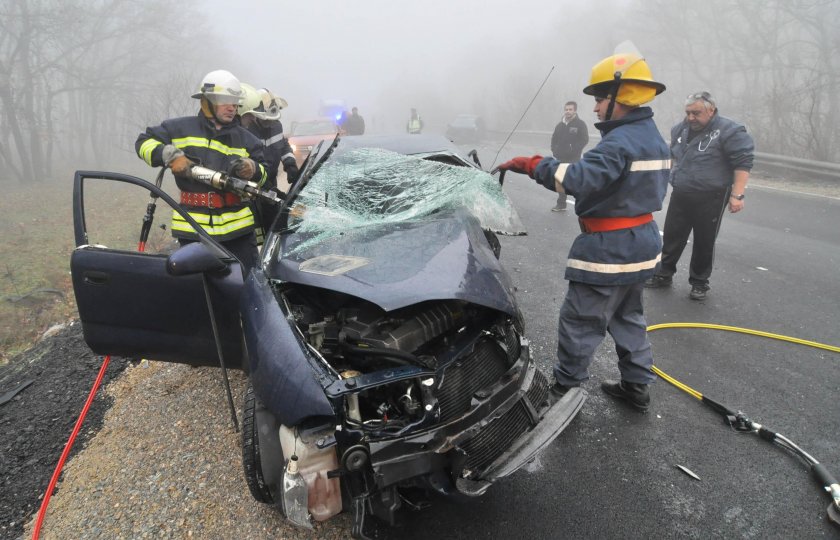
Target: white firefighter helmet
(220, 87)
(250, 99)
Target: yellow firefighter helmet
(630, 73)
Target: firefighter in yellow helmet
(215, 139)
(617, 186)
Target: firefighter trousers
(587, 314)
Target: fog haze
(385, 57)
(80, 79)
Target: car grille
(464, 377)
(497, 437)
(538, 393)
(512, 343)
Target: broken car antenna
(512, 131)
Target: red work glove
(522, 164)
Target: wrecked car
(384, 348)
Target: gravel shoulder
(166, 464)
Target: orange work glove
(175, 159)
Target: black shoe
(633, 393)
(558, 390)
(698, 292)
(560, 207)
(658, 281)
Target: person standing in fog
(355, 124)
(569, 138)
(712, 159)
(415, 124)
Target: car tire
(251, 451)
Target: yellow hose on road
(740, 422)
(684, 387)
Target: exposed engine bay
(356, 338)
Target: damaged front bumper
(500, 434)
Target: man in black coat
(355, 124)
(567, 142)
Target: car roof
(401, 143)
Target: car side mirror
(194, 258)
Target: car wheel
(251, 451)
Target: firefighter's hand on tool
(244, 168)
(175, 159)
(522, 164)
(292, 172)
(169, 153)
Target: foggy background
(79, 80)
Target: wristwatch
(738, 197)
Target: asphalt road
(612, 473)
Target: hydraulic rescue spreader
(226, 182)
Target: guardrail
(768, 163)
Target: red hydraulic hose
(141, 247)
(43, 510)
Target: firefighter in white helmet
(260, 114)
(617, 186)
(215, 139)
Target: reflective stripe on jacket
(625, 175)
(214, 149)
(276, 147)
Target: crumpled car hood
(397, 230)
(397, 265)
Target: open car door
(142, 304)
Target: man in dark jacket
(617, 186)
(712, 159)
(215, 140)
(355, 124)
(567, 142)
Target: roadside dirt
(35, 424)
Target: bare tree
(74, 74)
(772, 64)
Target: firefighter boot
(635, 394)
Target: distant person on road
(415, 123)
(712, 159)
(617, 186)
(215, 139)
(567, 142)
(355, 124)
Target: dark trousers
(243, 248)
(587, 314)
(702, 213)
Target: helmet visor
(222, 99)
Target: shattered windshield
(371, 186)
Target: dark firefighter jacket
(277, 149)
(706, 161)
(215, 149)
(625, 175)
